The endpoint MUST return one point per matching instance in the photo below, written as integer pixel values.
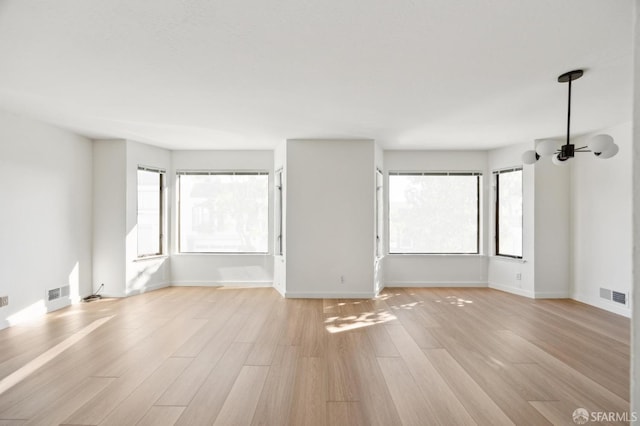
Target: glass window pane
(149, 213)
(224, 213)
(510, 214)
(433, 214)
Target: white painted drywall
(45, 219)
(635, 321)
(552, 205)
(109, 216)
(601, 195)
(437, 270)
(503, 271)
(220, 269)
(151, 273)
(330, 218)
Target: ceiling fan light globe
(547, 147)
(601, 143)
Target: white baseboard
(603, 304)
(427, 284)
(54, 305)
(146, 289)
(4, 324)
(329, 295)
(222, 284)
(551, 295)
(513, 290)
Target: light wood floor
(202, 356)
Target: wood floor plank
(161, 416)
(475, 400)
(132, 409)
(240, 406)
(309, 402)
(70, 402)
(208, 401)
(440, 399)
(341, 413)
(194, 356)
(411, 405)
(94, 411)
(274, 404)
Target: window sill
(439, 254)
(156, 257)
(221, 254)
(507, 259)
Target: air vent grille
(53, 294)
(619, 297)
(613, 296)
(57, 293)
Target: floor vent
(57, 293)
(613, 296)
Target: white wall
(552, 211)
(221, 269)
(109, 220)
(438, 270)
(503, 271)
(601, 195)
(330, 218)
(45, 219)
(635, 322)
(115, 238)
(147, 273)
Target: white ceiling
(437, 74)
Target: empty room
(415, 212)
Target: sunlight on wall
(29, 313)
(74, 284)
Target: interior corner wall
(504, 272)
(151, 273)
(45, 219)
(407, 270)
(601, 195)
(330, 218)
(109, 218)
(552, 229)
(209, 269)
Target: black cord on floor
(94, 296)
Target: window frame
(180, 173)
(497, 174)
(379, 214)
(162, 185)
(477, 174)
(279, 220)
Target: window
(379, 214)
(150, 211)
(509, 213)
(279, 237)
(434, 213)
(223, 212)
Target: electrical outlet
(518, 276)
(4, 301)
(341, 279)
